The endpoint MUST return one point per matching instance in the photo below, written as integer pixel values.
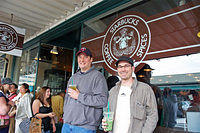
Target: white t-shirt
(122, 116)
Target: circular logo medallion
(8, 38)
(127, 36)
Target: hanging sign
(11, 39)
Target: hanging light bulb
(36, 57)
(54, 50)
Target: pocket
(24, 125)
(75, 114)
(139, 111)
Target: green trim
(36, 75)
(30, 45)
(74, 51)
(13, 67)
(81, 35)
(74, 61)
(76, 21)
(103, 71)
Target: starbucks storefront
(147, 31)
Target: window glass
(2, 65)
(28, 67)
(54, 70)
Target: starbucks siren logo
(127, 36)
(8, 38)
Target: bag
(31, 125)
(24, 125)
(35, 126)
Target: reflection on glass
(28, 67)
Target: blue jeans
(75, 129)
(4, 130)
(46, 131)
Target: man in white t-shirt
(133, 102)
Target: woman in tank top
(42, 109)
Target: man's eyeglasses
(125, 66)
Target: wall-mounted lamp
(54, 50)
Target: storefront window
(29, 67)
(2, 66)
(54, 70)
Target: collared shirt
(24, 107)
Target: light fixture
(54, 50)
(189, 74)
(141, 76)
(182, 2)
(36, 57)
(198, 34)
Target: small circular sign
(128, 36)
(8, 38)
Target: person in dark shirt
(111, 81)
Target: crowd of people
(17, 107)
(136, 103)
